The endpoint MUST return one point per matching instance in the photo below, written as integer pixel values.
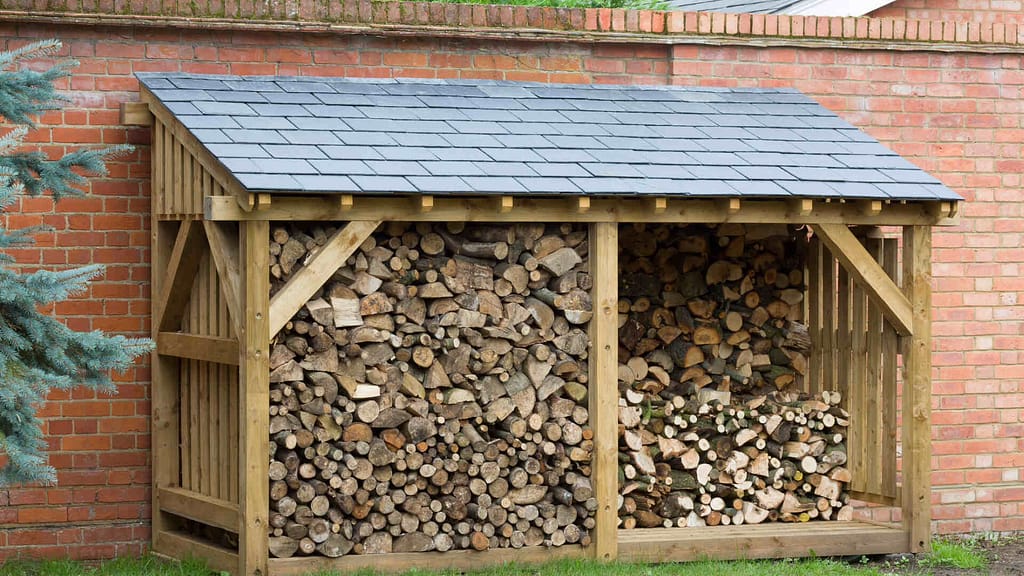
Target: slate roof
(334, 135)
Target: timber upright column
(254, 380)
(917, 389)
(604, 391)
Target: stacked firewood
(713, 428)
(432, 395)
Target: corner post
(253, 406)
(604, 269)
(917, 389)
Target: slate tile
(236, 96)
(808, 147)
(334, 99)
(494, 184)
(312, 137)
(503, 169)
(717, 158)
(366, 139)
(512, 155)
(270, 182)
(506, 91)
(549, 185)
(450, 168)
(558, 169)
(325, 111)
(858, 190)
(620, 156)
(291, 98)
(566, 155)
(427, 140)
(692, 120)
(482, 115)
(458, 154)
(915, 176)
(341, 167)
(407, 153)
(681, 132)
(318, 183)
(237, 151)
(581, 129)
(705, 172)
(808, 188)
(774, 134)
(396, 168)
(472, 140)
(240, 165)
(175, 95)
(494, 103)
(764, 173)
(678, 144)
(182, 108)
(438, 113)
(658, 157)
(597, 106)
(872, 161)
(351, 152)
(248, 136)
(440, 184)
(838, 174)
(226, 108)
(285, 166)
(820, 134)
(548, 116)
(302, 86)
(314, 123)
(293, 151)
(629, 130)
(724, 145)
(784, 121)
(620, 143)
(472, 127)
(535, 128)
(264, 123)
(571, 142)
(700, 187)
(782, 146)
(383, 184)
(531, 141)
(666, 171)
(253, 84)
(607, 186)
(155, 83)
(391, 113)
(612, 170)
(758, 188)
(211, 136)
(280, 110)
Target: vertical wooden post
(917, 389)
(604, 268)
(164, 385)
(254, 401)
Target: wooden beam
(305, 282)
(425, 203)
(734, 205)
(254, 389)
(481, 209)
(506, 204)
(856, 260)
(917, 389)
(224, 249)
(803, 206)
(345, 202)
(182, 267)
(660, 205)
(769, 540)
(452, 560)
(583, 204)
(196, 347)
(182, 546)
(136, 114)
(199, 507)
(604, 391)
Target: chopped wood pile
(712, 427)
(432, 395)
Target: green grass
(963, 554)
(147, 566)
(631, 4)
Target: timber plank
(224, 249)
(890, 351)
(183, 546)
(305, 282)
(604, 391)
(200, 507)
(873, 358)
(402, 562)
(182, 267)
(481, 209)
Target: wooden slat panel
(200, 507)
(828, 325)
(182, 546)
(890, 351)
(858, 402)
(426, 561)
(195, 453)
(843, 346)
(185, 440)
(814, 381)
(759, 541)
(873, 385)
(604, 395)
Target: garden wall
(946, 94)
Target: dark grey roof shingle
(333, 135)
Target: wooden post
(254, 401)
(164, 391)
(917, 389)
(604, 392)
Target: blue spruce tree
(37, 351)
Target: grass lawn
(962, 555)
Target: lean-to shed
(234, 155)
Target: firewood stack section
(432, 395)
(714, 428)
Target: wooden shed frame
(213, 320)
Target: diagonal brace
(304, 283)
(224, 250)
(866, 271)
(182, 266)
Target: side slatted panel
(184, 194)
(822, 313)
(209, 427)
(815, 382)
(890, 361)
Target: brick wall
(1002, 11)
(956, 111)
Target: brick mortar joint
(538, 23)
